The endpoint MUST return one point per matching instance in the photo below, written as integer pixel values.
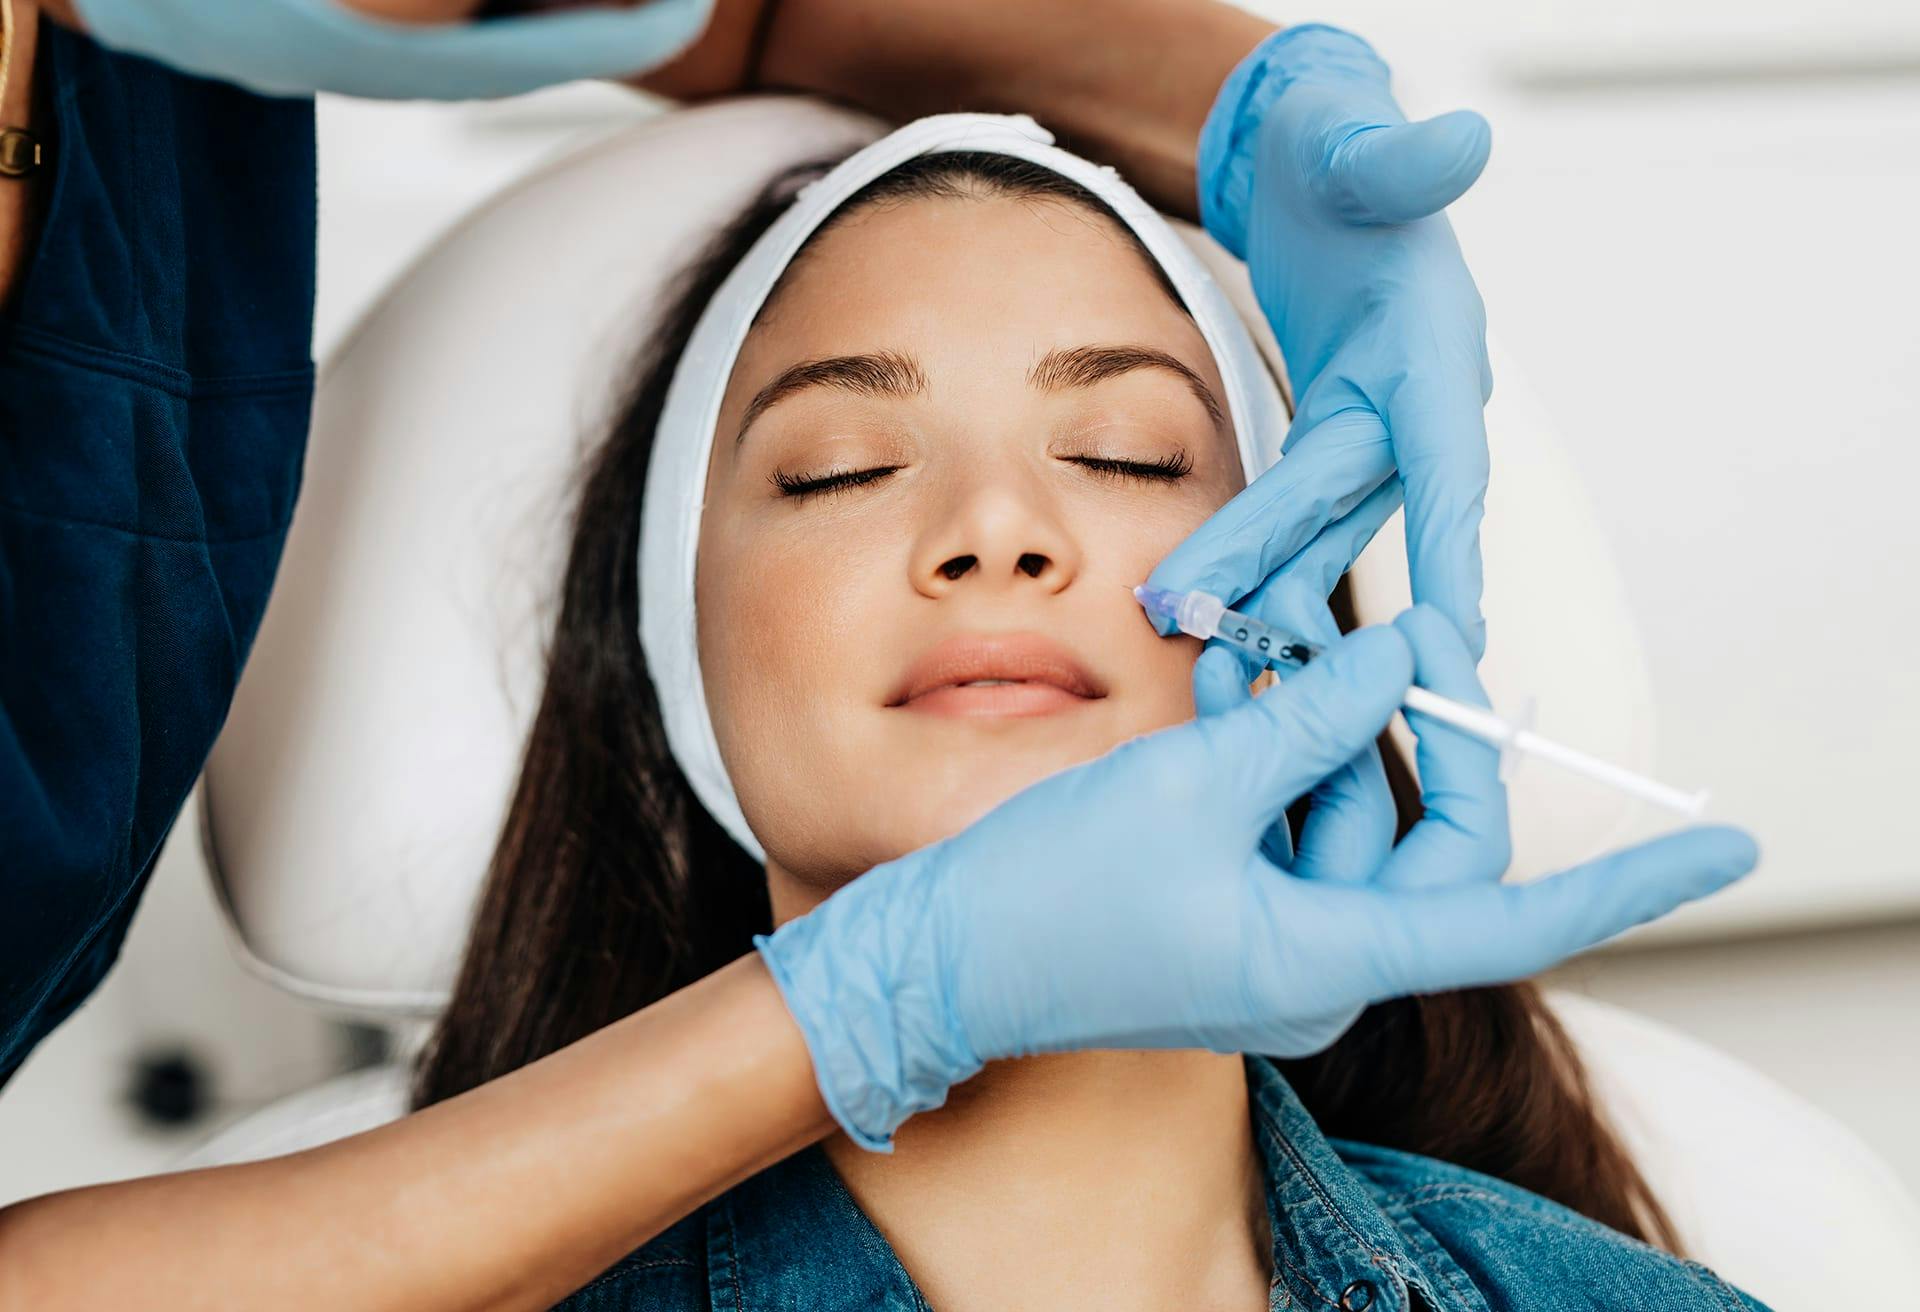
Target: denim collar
(793, 1236)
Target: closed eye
(803, 487)
(1167, 469)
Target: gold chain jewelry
(20, 152)
(6, 49)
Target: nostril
(1032, 563)
(958, 566)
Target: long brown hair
(611, 886)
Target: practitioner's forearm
(1125, 81)
(418, 11)
(507, 1197)
(1128, 82)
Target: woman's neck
(1120, 1180)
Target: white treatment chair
(354, 798)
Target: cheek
(759, 625)
(1125, 544)
(1158, 671)
(783, 632)
(1162, 679)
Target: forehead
(957, 275)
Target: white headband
(677, 477)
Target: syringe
(1205, 616)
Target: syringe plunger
(1205, 616)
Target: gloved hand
(298, 47)
(1126, 903)
(1309, 172)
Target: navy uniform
(155, 384)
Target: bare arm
(511, 1196)
(1128, 82)
(1125, 81)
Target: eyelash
(828, 483)
(1167, 469)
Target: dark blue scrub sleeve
(155, 384)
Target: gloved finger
(1351, 819)
(297, 47)
(1220, 684)
(1319, 565)
(1401, 172)
(1270, 752)
(1219, 681)
(1464, 835)
(1477, 934)
(1440, 443)
(1326, 474)
(1350, 822)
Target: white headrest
(353, 801)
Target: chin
(944, 775)
(943, 800)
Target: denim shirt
(1356, 1228)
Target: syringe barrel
(1264, 643)
(1200, 614)
(1205, 616)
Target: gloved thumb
(1410, 170)
(1275, 748)
(1220, 682)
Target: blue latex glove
(1309, 171)
(298, 47)
(1126, 903)
(1351, 818)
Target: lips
(1011, 674)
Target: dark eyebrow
(883, 373)
(1083, 366)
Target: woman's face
(1030, 423)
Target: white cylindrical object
(1487, 726)
(1482, 724)
(1200, 614)
(1627, 781)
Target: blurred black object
(170, 1087)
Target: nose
(995, 536)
